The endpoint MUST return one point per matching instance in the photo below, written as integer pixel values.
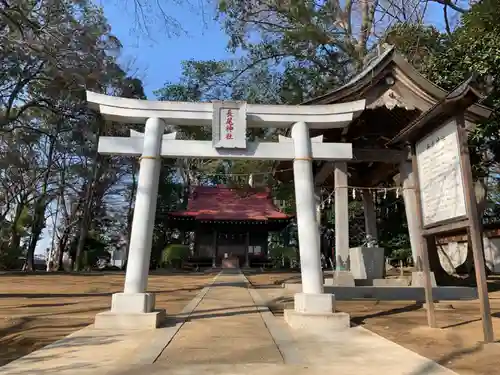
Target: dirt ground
(456, 344)
(38, 309)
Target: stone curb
(430, 364)
(35, 355)
(283, 339)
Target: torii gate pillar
(134, 307)
(313, 309)
(308, 231)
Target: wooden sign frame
(453, 107)
(470, 222)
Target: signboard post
(447, 198)
(441, 197)
(447, 202)
(475, 232)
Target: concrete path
(225, 330)
(226, 327)
(360, 351)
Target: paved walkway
(226, 327)
(229, 332)
(225, 330)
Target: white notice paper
(440, 175)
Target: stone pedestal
(341, 278)
(367, 263)
(315, 313)
(113, 320)
(133, 302)
(130, 311)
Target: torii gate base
(314, 313)
(124, 314)
(135, 308)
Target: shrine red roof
(223, 203)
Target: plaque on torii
(229, 127)
(229, 124)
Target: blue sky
(159, 60)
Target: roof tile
(224, 203)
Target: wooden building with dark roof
(232, 222)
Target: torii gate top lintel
(126, 110)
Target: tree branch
(451, 5)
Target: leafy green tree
(51, 52)
(174, 254)
(448, 59)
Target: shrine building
(397, 97)
(230, 223)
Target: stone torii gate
(134, 308)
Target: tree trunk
(62, 241)
(52, 255)
(480, 190)
(15, 239)
(61, 248)
(442, 277)
(41, 205)
(84, 223)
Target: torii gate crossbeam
(186, 149)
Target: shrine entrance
(231, 244)
(134, 308)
